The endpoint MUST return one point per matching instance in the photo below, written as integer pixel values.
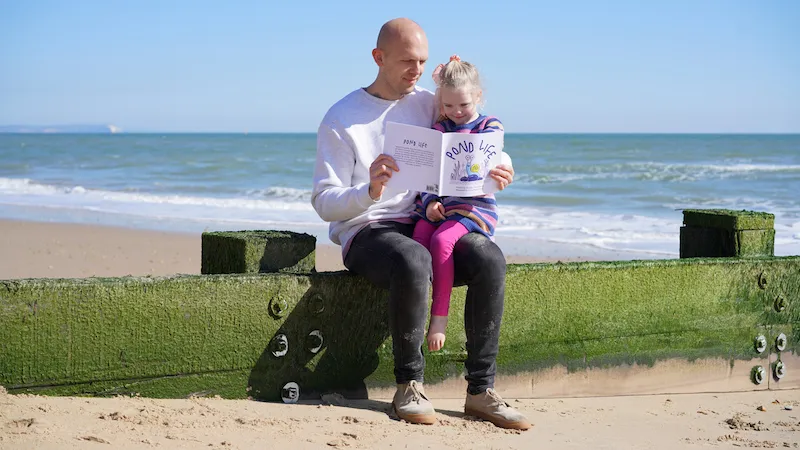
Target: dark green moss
(698, 242)
(176, 336)
(755, 243)
(257, 251)
(730, 220)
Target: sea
(594, 196)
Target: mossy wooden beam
(257, 251)
(727, 233)
(728, 219)
(183, 335)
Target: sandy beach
(763, 419)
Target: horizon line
(751, 133)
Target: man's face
(403, 64)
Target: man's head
(400, 54)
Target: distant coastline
(114, 129)
(60, 129)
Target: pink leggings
(440, 240)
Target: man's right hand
(379, 173)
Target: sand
(658, 422)
(27, 249)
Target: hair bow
(437, 74)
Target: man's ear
(377, 56)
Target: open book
(442, 163)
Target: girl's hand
(435, 211)
(503, 174)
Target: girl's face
(460, 105)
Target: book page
(466, 162)
(417, 152)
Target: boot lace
(498, 401)
(417, 395)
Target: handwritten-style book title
(466, 147)
(442, 163)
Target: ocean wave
(605, 245)
(784, 209)
(631, 233)
(653, 171)
(655, 233)
(287, 193)
(281, 201)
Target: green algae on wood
(728, 219)
(715, 242)
(184, 335)
(727, 233)
(257, 251)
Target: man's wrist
(370, 193)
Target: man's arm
(333, 196)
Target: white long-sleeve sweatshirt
(349, 139)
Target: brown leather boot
(411, 404)
(490, 406)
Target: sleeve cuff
(427, 199)
(505, 159)
(364, 198)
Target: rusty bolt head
(760, 343)
(780, 303)
(290, 393)
(778, 369)
(315, 304)
(279, 346)
(762, 280)
(780, 342)
(314, 341)
(278, 306)
(758, 374)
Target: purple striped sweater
(479, 213)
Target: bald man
(374, 230)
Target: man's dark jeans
(385, 254)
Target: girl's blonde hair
(456, 74)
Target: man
(375, 230)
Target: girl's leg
(423, 231)
(436, 332)
(442, 244)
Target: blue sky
(269, 66)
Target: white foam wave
(623, 233)
(285, 208)
(656, 171)
(281, 192)
(281, 198)
(613, 232)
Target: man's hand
(435, 211)
(503, 174)
(379, 173)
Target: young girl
(441, 222)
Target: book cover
(442, 163)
